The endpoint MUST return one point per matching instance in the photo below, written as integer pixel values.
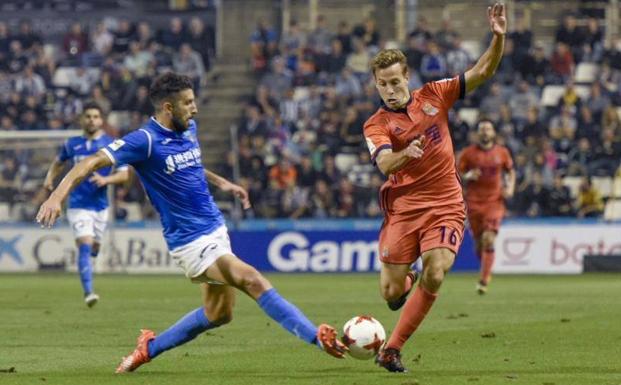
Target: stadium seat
(603, 184)
(118, 118)
(63, 75)
(473, 47)
(573, 183)
(5, 213)
(552, 94)
(616, 188)
(134, 213)
(585, 73)
(344, 162)
(612, 211)
(301, 93)
(469, 115)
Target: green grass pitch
(544, 330)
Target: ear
(167, 106)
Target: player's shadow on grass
(547, 370)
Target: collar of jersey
(164, 130)
(402, 109)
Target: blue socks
(85, 269)
(186, 329)
(288, 316)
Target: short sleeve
(376, 137)
(508, 163)
(462, 163)
(448, 90)
(64, 154)
(132, 148)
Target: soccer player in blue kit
(166, 156)
(88, 203)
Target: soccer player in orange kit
(424, 212)
(483, 167)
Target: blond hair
(387, 57)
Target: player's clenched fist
(415, 148)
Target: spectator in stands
(138, 61)
(7, 124)
(320, 38)
(347, 85)
(358, 61)
(593, 49)
(263, 44)
(335, 61)
(26, 36)
(282, 174)
(5, 42)
(522, 38)
(322, 201)
(562, 63)
(173, 37)
(607, 155)
(414, 53)
(536, 67)
(141, 102)
(267, 104)
(579, 158)
(279, 80)
(559, 199)
(75, 43)
(344, 35)
(102, 39)
(306, 173)
(613, 52)
(367, 32)
(571, 36)
(490, 105)
(589, 201)
(522, 101)
(587, 126)
(510, 64)
(144, 35)
(82, 81)
(30, 83)
(597, 101)
(457, 58)
(252, 123)
(294, 201)
(101, 100)
(534, 199)
(202, 39)
(122, 37)
(188, 62)
(611, 120)
(445, 37)
(17, 59)
(433, 64)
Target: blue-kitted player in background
(87, 212)
(166, 156)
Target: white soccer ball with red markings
(364, 336)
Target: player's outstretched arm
(228, 186)
(390, 162)
(50, 209)
(486, 66)
(52, 173)
(119, 177)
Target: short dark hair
(90, 105)
(168, 84)
(485, 120)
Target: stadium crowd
(302, 153)
(44, 84)
(301, 149)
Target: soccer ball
(364, 336)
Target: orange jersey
(488, 187)
(432, 180)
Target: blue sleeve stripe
(109, 155)
(150, 141)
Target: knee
(221, 315)
(433, 276)
(391, 292)
(254, 283)
(487, 241)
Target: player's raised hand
(497, 18)
(473, 174)
(99, 180)
(415, 148)
(49, 212)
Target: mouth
(393, 100)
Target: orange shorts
(485, 219)
(405, 237)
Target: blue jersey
(170, 168)
(86, 195)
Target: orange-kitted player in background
(489, 178)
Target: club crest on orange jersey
(385, 252)
(429, 109)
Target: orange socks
(413, 313)
(487, 261)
